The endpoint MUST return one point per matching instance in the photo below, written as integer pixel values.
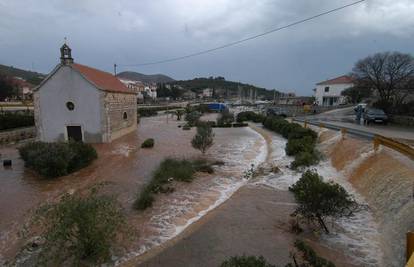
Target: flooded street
(223, 214)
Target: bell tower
(66, 54)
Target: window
(70, 105)
(326, 89)
(125, 116)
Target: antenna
(115, 69)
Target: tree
(356, 94)
(203, 139)
(389, 74)
(192, 117)
(179, 113)
(7, 89)
(319, 200)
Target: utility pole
(115, 69)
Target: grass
(169, 170)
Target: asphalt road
(345, 117)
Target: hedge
(301, 141)
(57, 159)
(10, 120)
(250, 116)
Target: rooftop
(345, 79)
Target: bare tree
(391, 75)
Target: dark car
(375, 115)
(276, 111)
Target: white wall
(53, 115)
(334, 91)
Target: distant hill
(198, 84)
(30, 76)
(152, 78)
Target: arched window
(70, 105)
(125, 116)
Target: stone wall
(403, 120)
(120, 114)
(17, 134)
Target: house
(137, 86)
(77, 102)
(328, 93)
(208, 92)
(24, 88)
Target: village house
(208, 92)
(137, 86)
(77, 102)
(328, 93)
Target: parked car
(362, 105)
(276, 111)
(375, 115)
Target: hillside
(198, 84)
(30, 76)
(152, 78)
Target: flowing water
(382, 180)
(240, 150)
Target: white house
(328, 93)
(136, 86)
(207, 92)
(77, 102)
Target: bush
(318, 200)
(246, 261)
(169, 170)
(80, 228)
(305, 159)
(57, 159)
(148, 143)
(203, 139)
(10, 120)
(301, 141)
(250, 116)
(296, 146)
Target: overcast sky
(101, 33)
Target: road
(345, 117)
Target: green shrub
(83, 155)
(296, 146)
(57, 159)
(203, 139)
(250, 116)
(148, 143)
(305, 159)
(246, 261)
(318, 200)
(301, 141)
(169, 169)
(80, 228)
(10, 120)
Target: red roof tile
(338, 80)
(101, 79)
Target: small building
(77, 102)
(328, 93)
(208, 93)
(137, 86)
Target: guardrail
(377, 139)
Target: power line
(245, 39)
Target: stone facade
(120, 114)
